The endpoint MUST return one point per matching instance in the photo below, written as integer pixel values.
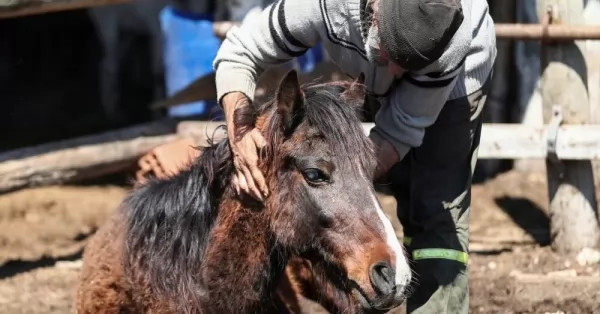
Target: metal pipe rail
(551, 32)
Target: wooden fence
(569, 140)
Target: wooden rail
(92, 156)
(111, 152)
(519, 141)
(552, 32)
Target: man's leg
(432, 185)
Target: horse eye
(314, 175)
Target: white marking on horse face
(403, 273)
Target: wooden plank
(536, 32)
(86, 157)
(498, 101)
(18, 8)
(573, 206)
(519, 141)
(528, 100)
(92, 156)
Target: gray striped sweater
(288, 28)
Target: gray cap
(415, 33)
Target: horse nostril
(382, 278)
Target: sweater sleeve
(416, 101)
(284, 30)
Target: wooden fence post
(564, 89)
(528, 108)
(499, 102)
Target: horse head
(319, 165)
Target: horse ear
(290, 101)
(357, 89)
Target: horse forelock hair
(335, 119)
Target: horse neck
(242, 264)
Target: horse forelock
(334, 114)
(338, 122)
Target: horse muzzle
(388, 294)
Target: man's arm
(284, 30)
(416, 101)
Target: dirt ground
(512, 270)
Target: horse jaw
(239, 255)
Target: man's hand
(386, 155)
(247, 177)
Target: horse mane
(168, 222)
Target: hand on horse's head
(245, 141)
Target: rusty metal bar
(553, 32)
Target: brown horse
(188, 244)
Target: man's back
(296, 25)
